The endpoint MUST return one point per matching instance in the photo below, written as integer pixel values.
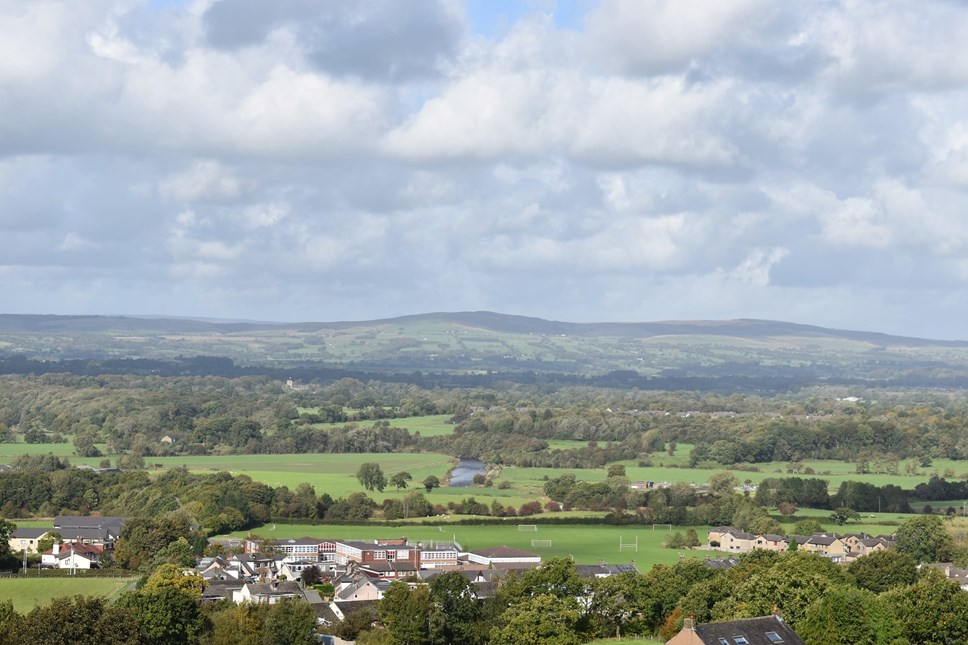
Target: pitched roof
(766, 630)
(28, 533)
(504, 552)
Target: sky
(621, 160)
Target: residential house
(767, 630)
(71, 555)
(25, 539)
(827, 545)
(266, 593)
(953, 573)
(90, 529)
(602, 570)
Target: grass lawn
(27, 593)
(586, 544)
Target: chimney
(689, 623)
(56, 547)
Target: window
(723, 641)
(774, 637)
(741, 640)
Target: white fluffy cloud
(325, 160)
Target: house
(25, 539)
(774, 542)
(90, 529)
(766, 630)
(503, 555)
(266, 593)
(602, 570)
(727, 538)
(868, 545)
(827, 545)
(364, 588)
(71, 555)
(953, 573)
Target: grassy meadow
(27, 593)
(431, 425)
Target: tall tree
(926, 539)
(371, 476)
(401, 480)
(845, 615)
(405, 613)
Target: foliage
(290, 622)
(430, 482)
(80, 620)
(166, 615)
(404, 612)
(371, 476)
(401, 480)
(846, 615)
(926, 539)
(841, 516)
(883, 570)
(933, 610)
(543, 619)
(172, 575)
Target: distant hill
(483, 320)
(484, 344)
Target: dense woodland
(510, 425)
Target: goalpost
(541, 544)
(527, 527)
(622, 546)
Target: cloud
(378, 39)
(646, 159)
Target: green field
(586, 544)
(433, 425)
(329, 473)
(27, 593)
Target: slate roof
(721, 563)
(28, 533)
(89, 522)
(753, 630)
(603, 570)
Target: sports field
(27, 593)
(586, 544)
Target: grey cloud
(377, 39)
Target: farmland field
(27, 593)
(329, 473)
(586, 544)
(432, 425)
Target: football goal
(527, 527)
(541, 544)
(634, 546)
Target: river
(463, 474)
